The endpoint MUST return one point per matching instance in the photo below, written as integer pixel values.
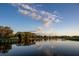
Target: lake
(41, 48)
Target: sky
(68, 25)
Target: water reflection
(4, 48)
(6, 45)
(43, 47)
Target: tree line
(7, 32)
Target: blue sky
(69, 25)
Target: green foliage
(5, 31)
(25, 35)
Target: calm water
(41, 48)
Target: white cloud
(25, 12)
(46, 18)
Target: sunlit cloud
(46, 17)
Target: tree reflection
(4, 48)
(6, 45)
(25, 42)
